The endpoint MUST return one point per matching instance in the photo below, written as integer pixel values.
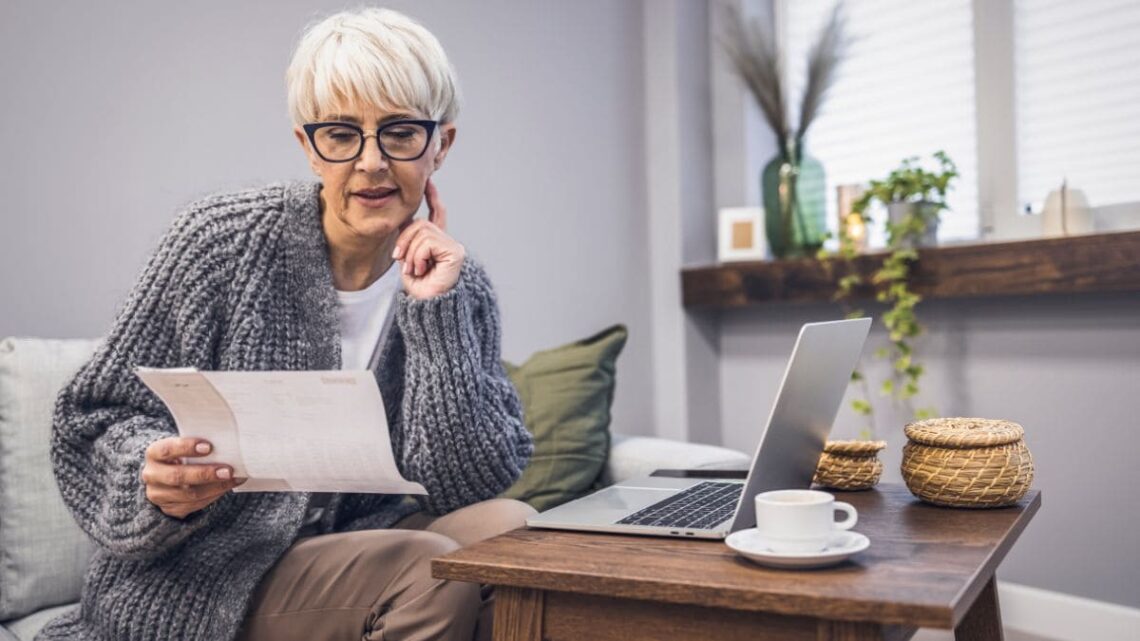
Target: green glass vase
(795, 211)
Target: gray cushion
(632, 456)
(43, 554)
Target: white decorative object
(1066, 213)
(741, 234)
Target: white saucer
(751, 545)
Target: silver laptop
(810, 393)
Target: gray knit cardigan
(242, 282)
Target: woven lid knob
(964, 432)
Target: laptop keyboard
(702, 506)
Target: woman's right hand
(180, 489)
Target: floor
(944, 635)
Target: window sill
(1074, 264)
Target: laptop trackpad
(604, 506)
(631, 499)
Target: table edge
(928, 615)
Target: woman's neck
(353, 270)
(356, 261)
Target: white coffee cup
(792, 521)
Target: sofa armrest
(632, 456)
(26, 628)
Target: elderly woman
(332, 274)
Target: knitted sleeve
(461, 432)
(105, 417)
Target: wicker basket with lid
(849, 465)
(967, 462)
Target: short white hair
(377, 56)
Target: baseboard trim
(1065, 617)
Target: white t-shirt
(362, 314)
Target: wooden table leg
(518, 614)
(983, 620)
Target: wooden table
(927, 567)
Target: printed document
(287, 431)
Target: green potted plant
(914, 198)
(918, 197)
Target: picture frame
(740, 234)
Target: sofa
(43, 553)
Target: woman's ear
(304, 140)
(446, 140)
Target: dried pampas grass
(751, 47)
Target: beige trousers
(376, 585)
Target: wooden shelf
(1074, 264)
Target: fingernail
(224, 473)
(396, 252)
(202, 448)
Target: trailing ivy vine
(926, 192)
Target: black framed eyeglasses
(344, 142)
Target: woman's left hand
(429, 259)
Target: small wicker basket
(967, 462)
(849, 465)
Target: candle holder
(852, 227)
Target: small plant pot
(849, 465)
(896, 212)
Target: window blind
(906, 88)
(1077, 70)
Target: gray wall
(115, 114)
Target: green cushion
(566, 394)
